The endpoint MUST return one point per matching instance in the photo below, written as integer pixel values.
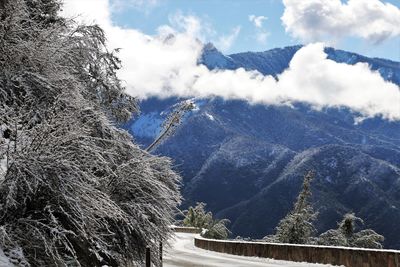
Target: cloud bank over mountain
(322, 20)
(166, 65)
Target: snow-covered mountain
(247, 161)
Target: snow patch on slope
(209, 116)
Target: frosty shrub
(347, 236)
(212, 228)
(74, 189)
(297, 226)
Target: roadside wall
(188, 230)
(340, 256)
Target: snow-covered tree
(346, 235)
(197, 216)
(213, 228)
(297, 226)
(217, 229)
(171, 123)
(74, 189)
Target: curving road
(183, 253)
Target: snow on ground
(183, 253)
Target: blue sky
(223, 16)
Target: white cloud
(225, 42)
(314, 79)
(152, 65)
(262, 37)
(190, 24)
(311, 78)
(330, 20)
(166, 65)
(88, 11)
(261, 34)
(257, 20)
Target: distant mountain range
(247, 161)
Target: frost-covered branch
(74, 190)
(171, 123)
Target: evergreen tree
(213, 228)
(297, 227)
(217, 229)
(197, 216)
(346, 235)
(74, 189)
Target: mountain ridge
(261, 61)
(247, 161)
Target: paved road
(183, 253)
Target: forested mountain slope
(247, 161)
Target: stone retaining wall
(188, 230)
(339, 256)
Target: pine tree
(199, 218)
(74, 189)
(297, 227)
(346, 235)
(217, 229)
